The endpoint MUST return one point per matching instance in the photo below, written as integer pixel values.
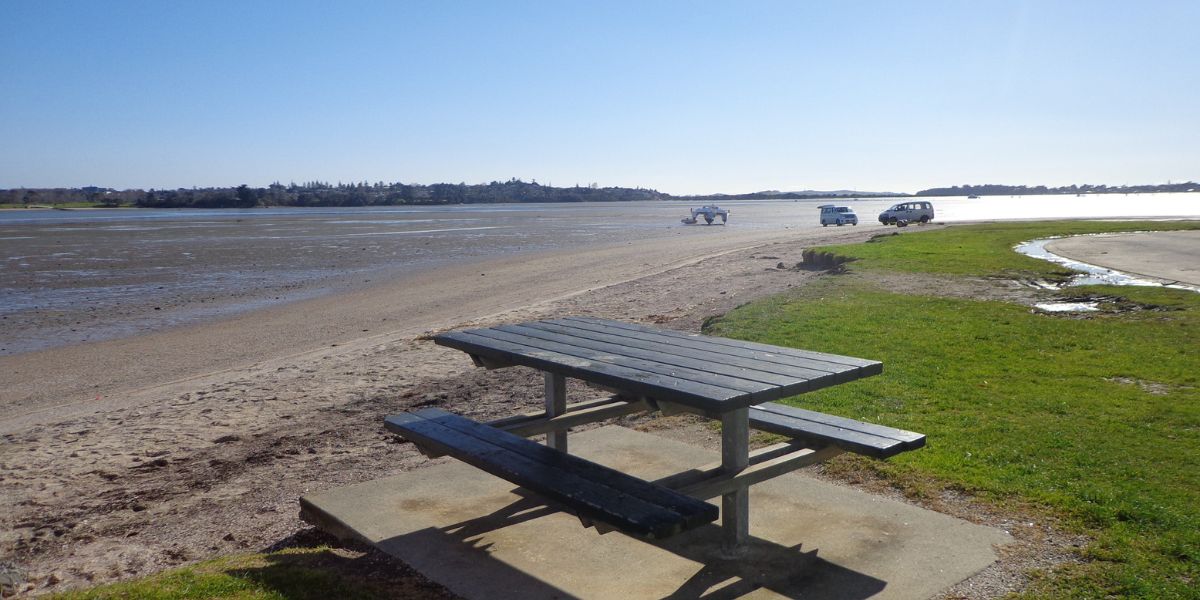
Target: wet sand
(48, 385)
(68, 279)
(1166, 256)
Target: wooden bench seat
(593, 491)
(876, 441)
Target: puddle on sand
(1067, 306)
(1091, 274)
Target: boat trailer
(710, 214)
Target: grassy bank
(293, 574)
(1094, 421)
(980, 250)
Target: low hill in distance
(372, 194)
(318, 193)
(799, 195)
(1022, 190)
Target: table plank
(714, 375)
(652, 352)
(846, 371)
(838, 360)
(733, 366)
(633, 381)
(599, 356)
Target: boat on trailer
(709, 213)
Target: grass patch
(1095, 421)
(980, 250)
(296, 573)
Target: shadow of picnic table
(791, 572)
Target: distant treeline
(1021, 190)
(324, 194)
(318, 193)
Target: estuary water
(84, 275)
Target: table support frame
(735, 457)
(556, 404)
(622, 358)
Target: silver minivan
(907, 212)
(837, 215)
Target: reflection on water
(1068, 306)
(1096, 206)
(752, 213)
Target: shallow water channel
(1089, 275)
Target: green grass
(980, 250)
(298, 573)
(1093, 421)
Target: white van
(907, 212)
(837, 215)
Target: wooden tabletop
(709, 373)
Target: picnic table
(651, 369)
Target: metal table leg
(735, 456)
(556, 404)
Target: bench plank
(877, 441)
(592, 490)
(578, 466)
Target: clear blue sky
(684, 97)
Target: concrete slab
(481, 538)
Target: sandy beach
(130, 455)
(123, 457)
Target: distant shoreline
(51, 207)
(514, 191)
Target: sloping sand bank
(52, 384)
(119, 458)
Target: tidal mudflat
(83, 276)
